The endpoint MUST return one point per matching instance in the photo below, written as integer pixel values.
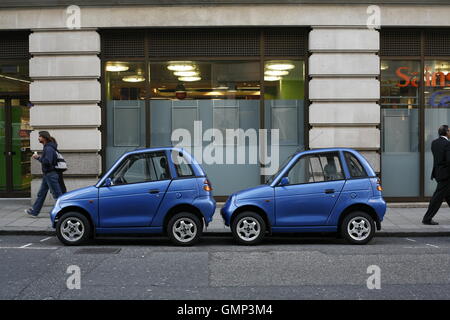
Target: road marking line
(32, 248)
(410, 239)
(45, 239)
(27, 245)
(416, 247)
(432, 245)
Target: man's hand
(35, 156)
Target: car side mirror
(284, 181)
(108, 182)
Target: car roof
(155, 149)
(327, 150)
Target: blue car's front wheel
(73, 229)
(248, 228)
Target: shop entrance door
(15, 154)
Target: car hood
(82, 193)
(261, 191)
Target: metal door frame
(9, 192)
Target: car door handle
(329, 191)
(154, 191)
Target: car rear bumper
(379, 205)
(207, 206)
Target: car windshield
(285, 162)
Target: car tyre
(73, 229)
(358, 227)
(184, 229)
(248, 228)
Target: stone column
(65, 90)
(344, 90)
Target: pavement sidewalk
(400, 220)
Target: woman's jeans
(50, 181)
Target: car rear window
(354, 166)
(182, 167)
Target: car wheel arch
(359, 207)
(185, 207)
(255, 209)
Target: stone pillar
(65, 90)
(344, 90)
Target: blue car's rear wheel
(73, 229)
(184, 229)
(358, 227)
(248, 228)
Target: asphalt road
(35, 267)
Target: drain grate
(98, 251)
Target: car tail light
(379, 187)
(207, 185)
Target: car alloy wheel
(72, 229)
(184, 229)
(359, 228)
(248, 229)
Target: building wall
(343, 68)
(344, 90)
(65, 69)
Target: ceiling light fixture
(276, 73)
(271, 78)
(134, 78)
(180, 66)
(116, 67)
(185, 73)
(189, 79)
(280, 66)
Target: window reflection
(400, 127)
(437, 109)
(126, 89)
(284, 102)
(195, 80)
(220, 95)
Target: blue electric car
(326, 190)
(158, 190)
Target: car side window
(354, 166)
(142, 167)
(302, 171)
(316, 168)
(331, 167)
(135, 169)
(160, 166)
(182, 167)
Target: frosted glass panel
(437, 110)
(125, 91)
(285, 119)
(126, 127)
(184, 118)
(226, 118)
(400, 157)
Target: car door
(138, 186)
(315, 182)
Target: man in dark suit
(441, 173)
